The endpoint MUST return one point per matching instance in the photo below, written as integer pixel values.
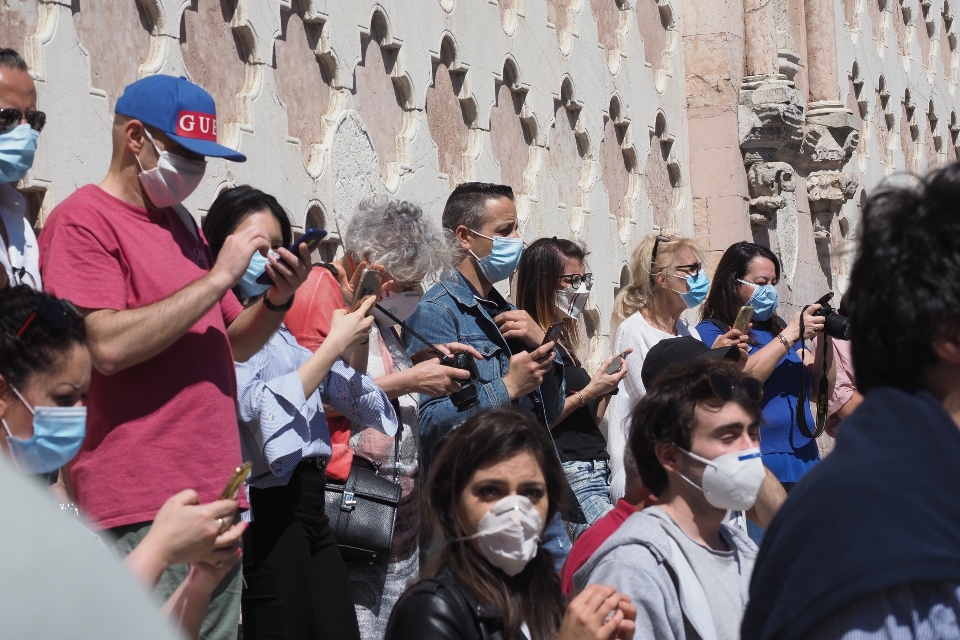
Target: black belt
(319, 462)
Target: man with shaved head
(163, 326)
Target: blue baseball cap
(180, 109)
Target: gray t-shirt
(724, 575)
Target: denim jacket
(449, 312)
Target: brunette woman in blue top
(747, 275)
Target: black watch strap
(278, 307)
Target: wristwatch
(278, 307)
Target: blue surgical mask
(58, 433)
(699, 286)
(248, 283)
(764, 300)
(17, 147)
(502, 261)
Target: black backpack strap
(719, 324)
(329, 267)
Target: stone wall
(721, 119)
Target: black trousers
(296, 582)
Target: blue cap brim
(208, 148)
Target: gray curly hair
(394, 234)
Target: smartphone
(553, 333)
(236, 481)
(369, 286)
(312, 237)
(743, 319)
(616, 364)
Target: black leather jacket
(441, 609)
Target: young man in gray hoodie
(695, 437)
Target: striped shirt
(279, 426)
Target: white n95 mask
(731, 481)
(508, 535)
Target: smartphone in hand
(616, 364)
(553, 333)
(236, 481)
(744, 316)
(311, 238)
(369, 286)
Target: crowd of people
(410, 455)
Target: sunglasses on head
(656, 246)
(55, 313)
(726, 389)
(11, 117)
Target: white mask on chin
(173, 179)
(571, 302)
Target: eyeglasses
(55, 313)
(725, 388)
(22, 276)
(12, 117)
(656, 245)
(575, 279)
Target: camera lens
(837, 326)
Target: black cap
(680, 350)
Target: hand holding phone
(311, 238)
(744, 316)
(553, 333)
(369, 286)
(616, 364)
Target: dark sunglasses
(575, 279)
(12, 117)
(55, 313)
(725, 388)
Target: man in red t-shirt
(163, 326)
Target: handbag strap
(396, 441)
(820, 421)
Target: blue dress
(786, 452)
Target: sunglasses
(11, 117)
(575, 280)
(55, 313)
(656, 246)
(726, 389)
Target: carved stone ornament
(771, 117)
(826, 193)
(830, 136)
(767, 181)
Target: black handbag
(363, 510)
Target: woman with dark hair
(296, 582)
(553, 286)
(491, 489)
(44, 373)
(747, 275)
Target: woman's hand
(448, 349)
(287, 274)
(435, 380)
(811, 324)
(598, 613)
(349, 329)
(602, 382)
(349, 285)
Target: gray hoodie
(639, 561)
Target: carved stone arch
(570, 157)
(510, 11)
(662, 176)
(620, 167)
(331, 247)
(909, 133)
(656, 22)
(452, 113)
(883, 121)
(613, 23)
(220, 61)
(383, 96)
(513, 135)
(932, 139)
(562, 16)
(857, 103)
(852, 12)
(926, 32)
(948, 46)
(879, 13)
(953, 138)
(903, 18)
(306, 76)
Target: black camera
(467, 396)
(834, 324)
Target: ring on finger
(223, 524)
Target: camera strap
(407, 329)
(821, 417)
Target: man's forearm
(251, 330)
(121, 339)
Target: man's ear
(668, 455)
(947, 347)
(463, 237)
(133, 136)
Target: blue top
(451, 311)
(779, 432)
(279, 426)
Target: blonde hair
(643, 289)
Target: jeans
(590, 482)
(556, 541)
